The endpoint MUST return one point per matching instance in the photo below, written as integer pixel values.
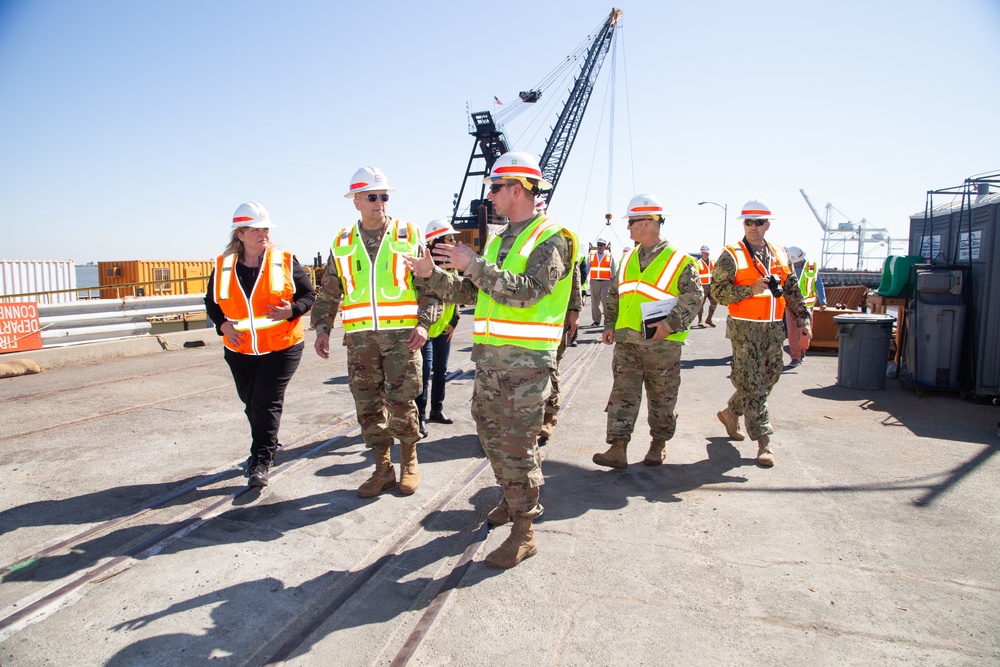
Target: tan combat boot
(731, 422)
(384, 476)
(500, 514)
(520, 544)
(657, 453)
(615, 457)
(409, 474)
(765, 457)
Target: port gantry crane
(849, 239)
(490, 143)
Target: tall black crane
(489, 141)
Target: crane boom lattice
(490, 143)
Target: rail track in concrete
(77, 581)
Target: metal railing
(94, 320)
(42, 297)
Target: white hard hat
(795, 254)
(601, 241)
(517, 164)
(438, 229)
(641, 205)
(368, 178)
(252, 214)
(705, 248)
(540, 204)
(755, 209)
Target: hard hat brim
(359, 191)
(542, 183)
(644, 214)
(259, 224)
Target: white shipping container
(24, 276)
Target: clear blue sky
(132, 130)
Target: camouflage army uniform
(512, 382)
(656, 365)
(384, 374)
(757, 355)
(552, 402)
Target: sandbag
(15, 367)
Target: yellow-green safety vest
(383, 298)
(658, 281)
(438, 327)
(538, 327)
(807, 283)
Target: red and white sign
(19, 328)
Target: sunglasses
(497, 187)
(635, 220)
(759, 222)
(374, 198)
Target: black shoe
(258, 473)
(543, 440)
(249, 466)
(423, 429)
(440, 418)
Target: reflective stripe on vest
(637, 286)
(807, 284)
(275, 284)
(761, 307)
(600, 268)
(705, 271)
(383, 298)
(537, 327)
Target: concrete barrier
(82, 353)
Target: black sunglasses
(374, 198)
(497, 187)
(760, 222)
(632, 221)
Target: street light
(725, 217)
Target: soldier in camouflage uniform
(521, 288)
(746, 278)
(383, 331)
(652, 271)
(570, 327)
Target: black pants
(260, 383)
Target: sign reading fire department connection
(19, 329)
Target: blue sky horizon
(134, 130)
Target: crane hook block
(607, 216)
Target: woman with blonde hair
(256, 296)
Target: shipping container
(31, 276)
(119, 279)
(965, 236)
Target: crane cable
(610, 92)
(559, 72)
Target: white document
(654, 311)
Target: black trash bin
(863, 349)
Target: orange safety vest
(249, 314)
(762, 307)
(705, 271)
(600, 268)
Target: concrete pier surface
(129, 536)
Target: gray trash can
(863, 349)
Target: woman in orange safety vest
(256, 297)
